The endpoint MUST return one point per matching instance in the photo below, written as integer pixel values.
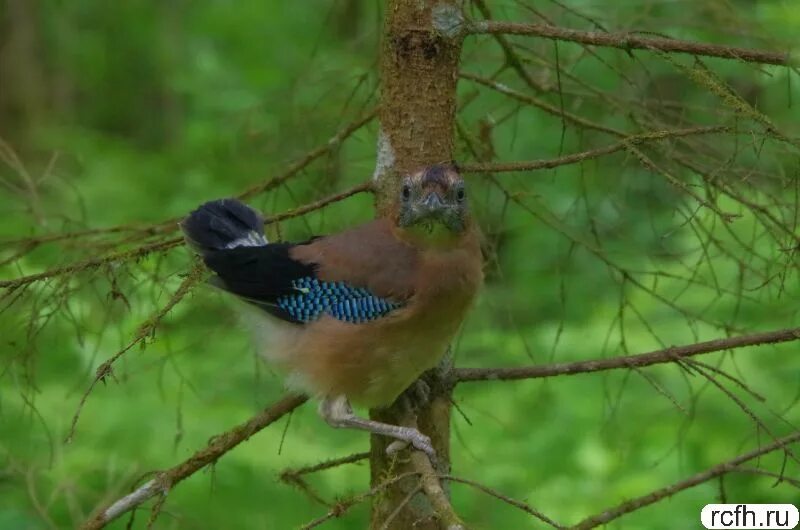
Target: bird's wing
(299, 283)
(261, 275)
(368, 256)
(351, 276)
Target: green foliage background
(127, 113)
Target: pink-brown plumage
(372, 362)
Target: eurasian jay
(354, 317)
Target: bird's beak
(433, 202)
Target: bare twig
(169, 244)
(77, 234)
(145, 330)
(512, 58)
(170, 225)
(541, 104)
(532, 165)
(429, 481)
(631, 41)
(93, 263)
(327, 464)
(704, 476)
(764, 473)
(218, 446)
(627, 361)
(743, 406)
(294, 477)
(508, 500)
(316, 205)
(400, 505)
(344, 505)
(309, 157)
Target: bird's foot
(338, 413)
(410, 435)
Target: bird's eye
(406, 192)
(461, 194)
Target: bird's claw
(395, 447)
(423, 443)
(419, 441)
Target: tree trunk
(22, 79)
(419, 67)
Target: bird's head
(433, 202)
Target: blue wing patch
(313, 298)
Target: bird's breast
(373, 362)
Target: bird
(353, 318)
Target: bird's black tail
(223, 224)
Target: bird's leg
(338, 413)
(416, 396)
